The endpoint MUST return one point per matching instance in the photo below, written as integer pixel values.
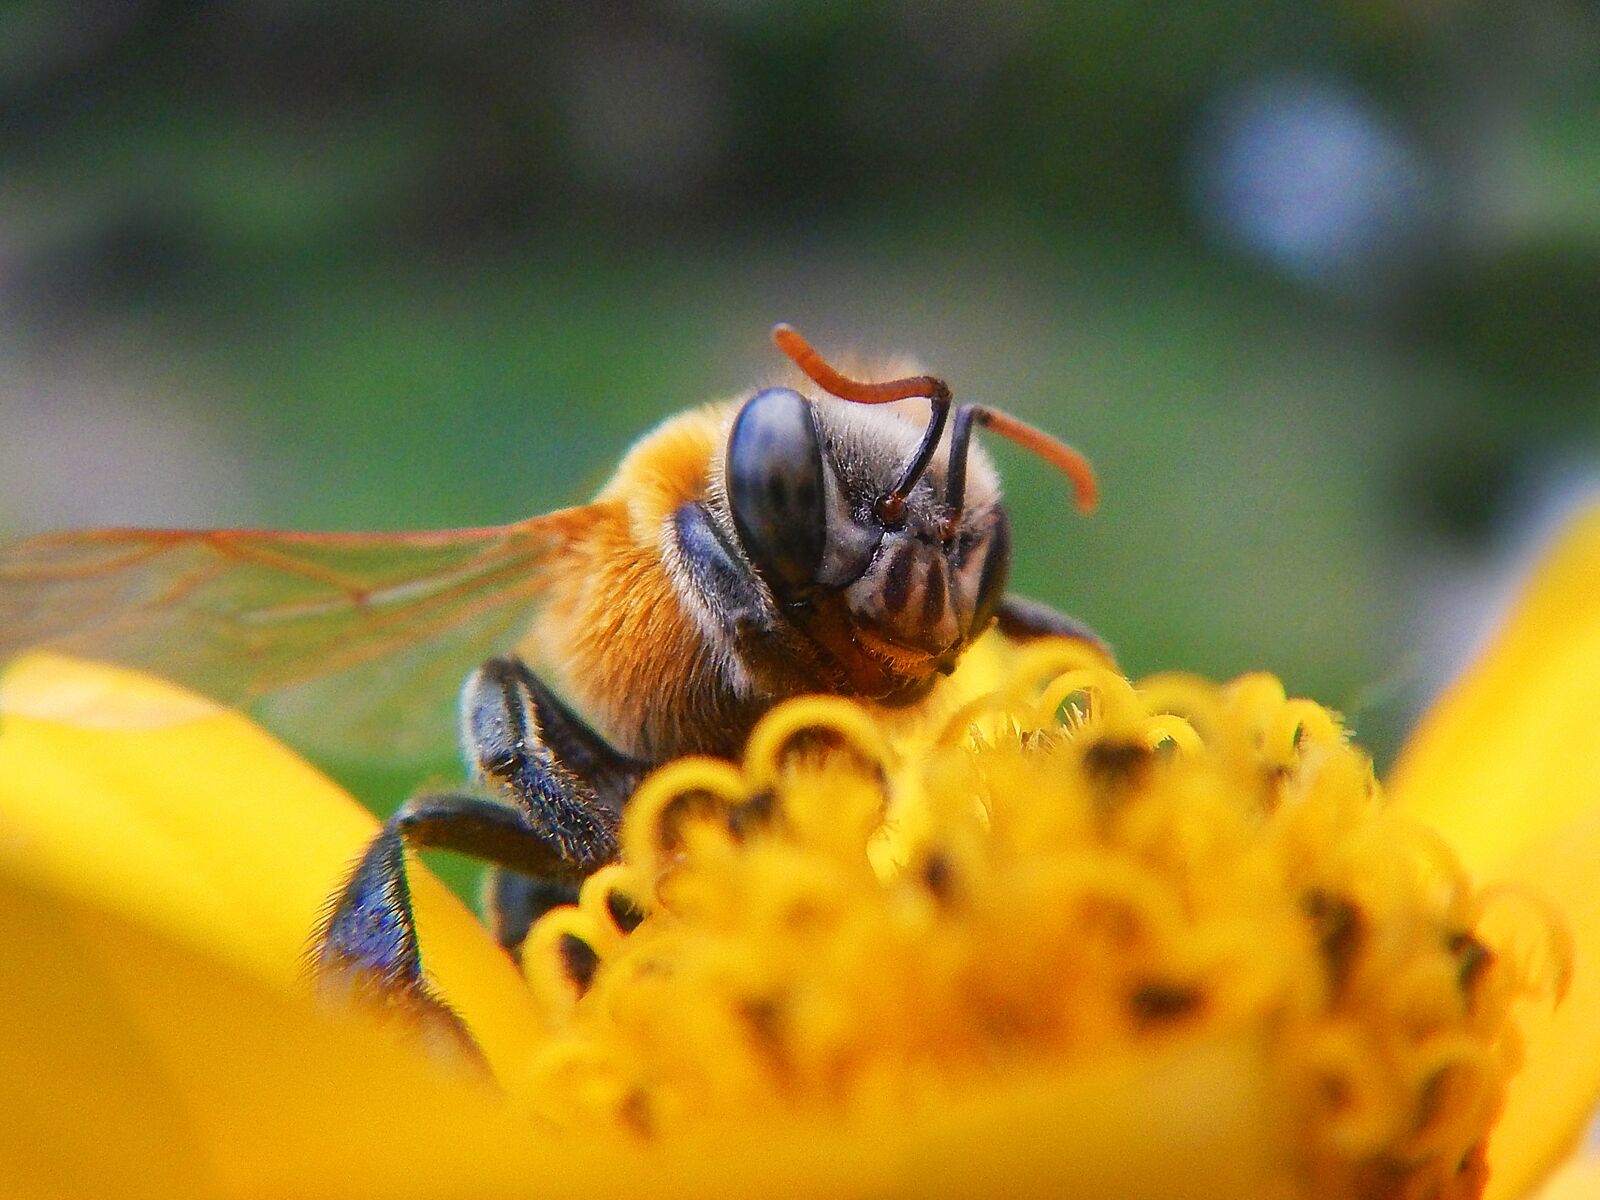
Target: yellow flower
(1079, 937)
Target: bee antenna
(891, 507)
(1055, 452)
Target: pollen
(1068, 868)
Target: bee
(814, 538)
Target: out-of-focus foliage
(1317, 287)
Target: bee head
(887, 549)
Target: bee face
(891, 594)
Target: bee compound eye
(775, 488)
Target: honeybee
(799, 539)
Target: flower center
(1074, 867)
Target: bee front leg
(562, 788)
(1023, 620)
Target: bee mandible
(801, 539)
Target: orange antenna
(788, 339)
(1055, 452)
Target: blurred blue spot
(1307, 173)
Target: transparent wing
(352, 643)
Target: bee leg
(563, 788)
(734, 600)
(567, 779)
(722, 580)
(512, 902)
(1023, 620)
(367, 951)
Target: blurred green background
(1317, 287)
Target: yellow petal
(1578, 1180)
(139, 1065)
(156, 804)
(160, 863)
(1507, 766)
(1196, 1123)
(1552, 1097)
(153, 1069)
(1500, 760)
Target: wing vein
(344, 638)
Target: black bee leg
(563, 789)
(366, 953)
(538, 755)
(512, 902)
(368, 950)
(548, 762)
(1023, 620)
(724, 582)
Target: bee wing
(345, 642)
